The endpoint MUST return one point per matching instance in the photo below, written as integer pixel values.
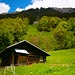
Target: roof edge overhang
(47, 54)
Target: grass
(62, 57)
(59, 63)
(32, 30)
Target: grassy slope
(62, 57)
(33, 31)
(59, 63)
(40, 39)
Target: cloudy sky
(7, 6)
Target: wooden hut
(22, 53)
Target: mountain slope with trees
(35, 14)
(52, 31)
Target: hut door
(22, 60)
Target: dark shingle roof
(24, 41)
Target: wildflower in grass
(25, 73)
(31, 72)
(71, 64)
(73, 71)
(54, 72)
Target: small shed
(22, 53)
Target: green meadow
(60, 62)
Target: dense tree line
(11, 30)
(48, 23)
(63, 30)
(35, 14)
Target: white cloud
(19, 9)
(35, 0)
(4, 8)
(72, 3)
(51, 3)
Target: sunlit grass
(62, 57)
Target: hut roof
(40, 51)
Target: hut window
(21, 51)
(41, 58)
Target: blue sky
(18, 3)
(7, 6)
(14, 4)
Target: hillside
(35, 14)
(59, 63)
(54, 30)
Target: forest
(48, 28)
(48, 33)
(36, 14)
